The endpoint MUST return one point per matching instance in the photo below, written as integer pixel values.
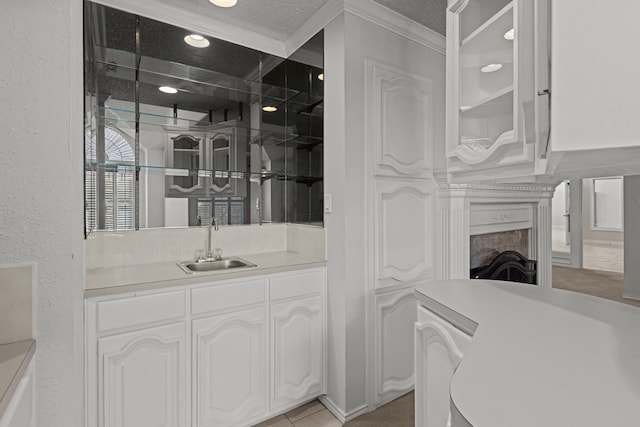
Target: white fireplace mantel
(467, 209)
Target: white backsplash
(111, 249)
(307, 240)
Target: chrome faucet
(214, 223)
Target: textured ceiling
(430, 13)
(277, 19)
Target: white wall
(588, 233)
(632, 236)
(349, 41)
(595, 64)
(558, 206)
(41, 174)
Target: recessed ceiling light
(491, 68)
(510, 35)
(224, 3)
(269, 109)
(168, 89)
(196, 40)
(321, 76)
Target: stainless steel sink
(226, 263)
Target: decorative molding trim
(390, 20)
(320, 19)
(342, 416)
(200, 24)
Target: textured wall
(485, 247)
(41, 176)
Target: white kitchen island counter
(539, 357)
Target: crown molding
(202, 25)
(397, 23)
(320, 19)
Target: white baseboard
(633, 297)
(602, 242)
(338, 413)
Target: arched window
(118, 172)
(115, 145)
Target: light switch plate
(327, 203)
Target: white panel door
(142, 381)
(403, 237)
(439, 348)
(297, 351)
(395, 317)
(230, 368)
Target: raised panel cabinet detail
(402, 231)
(142, 381)
(230, 368)
(439, 347)
(395, 317)
(297, 351)
(400, 120)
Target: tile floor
(313, 414)
(594, 257)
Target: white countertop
(541, 357)
(112, 280)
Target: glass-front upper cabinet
(497, 64)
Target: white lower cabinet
(143, 378)
(228, 353)
(230, 368)
(439, 348)
(297, 352)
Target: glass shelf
(163, 123)
(497, 103)
(490, 35)
(259, 176)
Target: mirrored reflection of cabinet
(205, 164)
(496, 63)
(185, 158)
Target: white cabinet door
(297, 352)
(142, 378)
(230, 368)
(439, 347)
(394, 320)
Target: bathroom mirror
(180, 127)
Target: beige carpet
(604, 284)
(399, 413)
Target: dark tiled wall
(485, 247)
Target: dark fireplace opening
(502, 255)
(511, 266)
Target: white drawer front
(296, 285)
(140, 310)
(224, 297)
